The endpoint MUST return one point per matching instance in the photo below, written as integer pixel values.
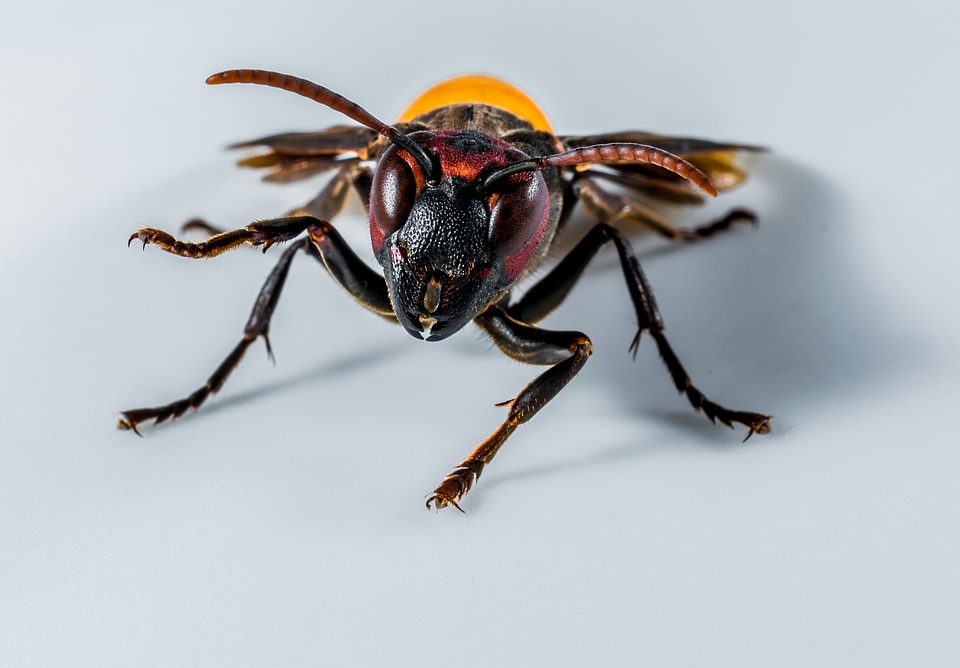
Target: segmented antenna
(328, 98)
(619, 152)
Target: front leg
(566, 351)
(326, 245)
(263, 233)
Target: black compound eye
(517, 211)
(396, 183)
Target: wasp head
(452, 238)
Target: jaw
(435, 308)
(427, 323)
(433, 326)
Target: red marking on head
(466, 154)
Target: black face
(449, 246)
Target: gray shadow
(327, 371)
(785, 321)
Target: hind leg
(607, 207)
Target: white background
(284, 525)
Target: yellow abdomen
(478, 89)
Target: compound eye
(396, 183)
(518, 214)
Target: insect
(465, 195)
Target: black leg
(366, 286)
(324, 243)
(257, 325)
(546, 295)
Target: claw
(439, 502)
(266, 339)
(635, 344)
(140, 235)
(128, 425)
(761, 426)
(455, 486)
(144, 234)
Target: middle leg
(546, 295)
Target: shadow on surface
(768, 321)
(326, 371)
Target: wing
(293, 156)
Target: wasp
(465, 196)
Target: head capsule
(452, 240)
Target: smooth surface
(284, 525)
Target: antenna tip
(218, 78)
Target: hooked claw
(128, 425)
(442, 502)
(759, 426)
(138, 235)
(148, 235)
(455, 485)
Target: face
(453, 240)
